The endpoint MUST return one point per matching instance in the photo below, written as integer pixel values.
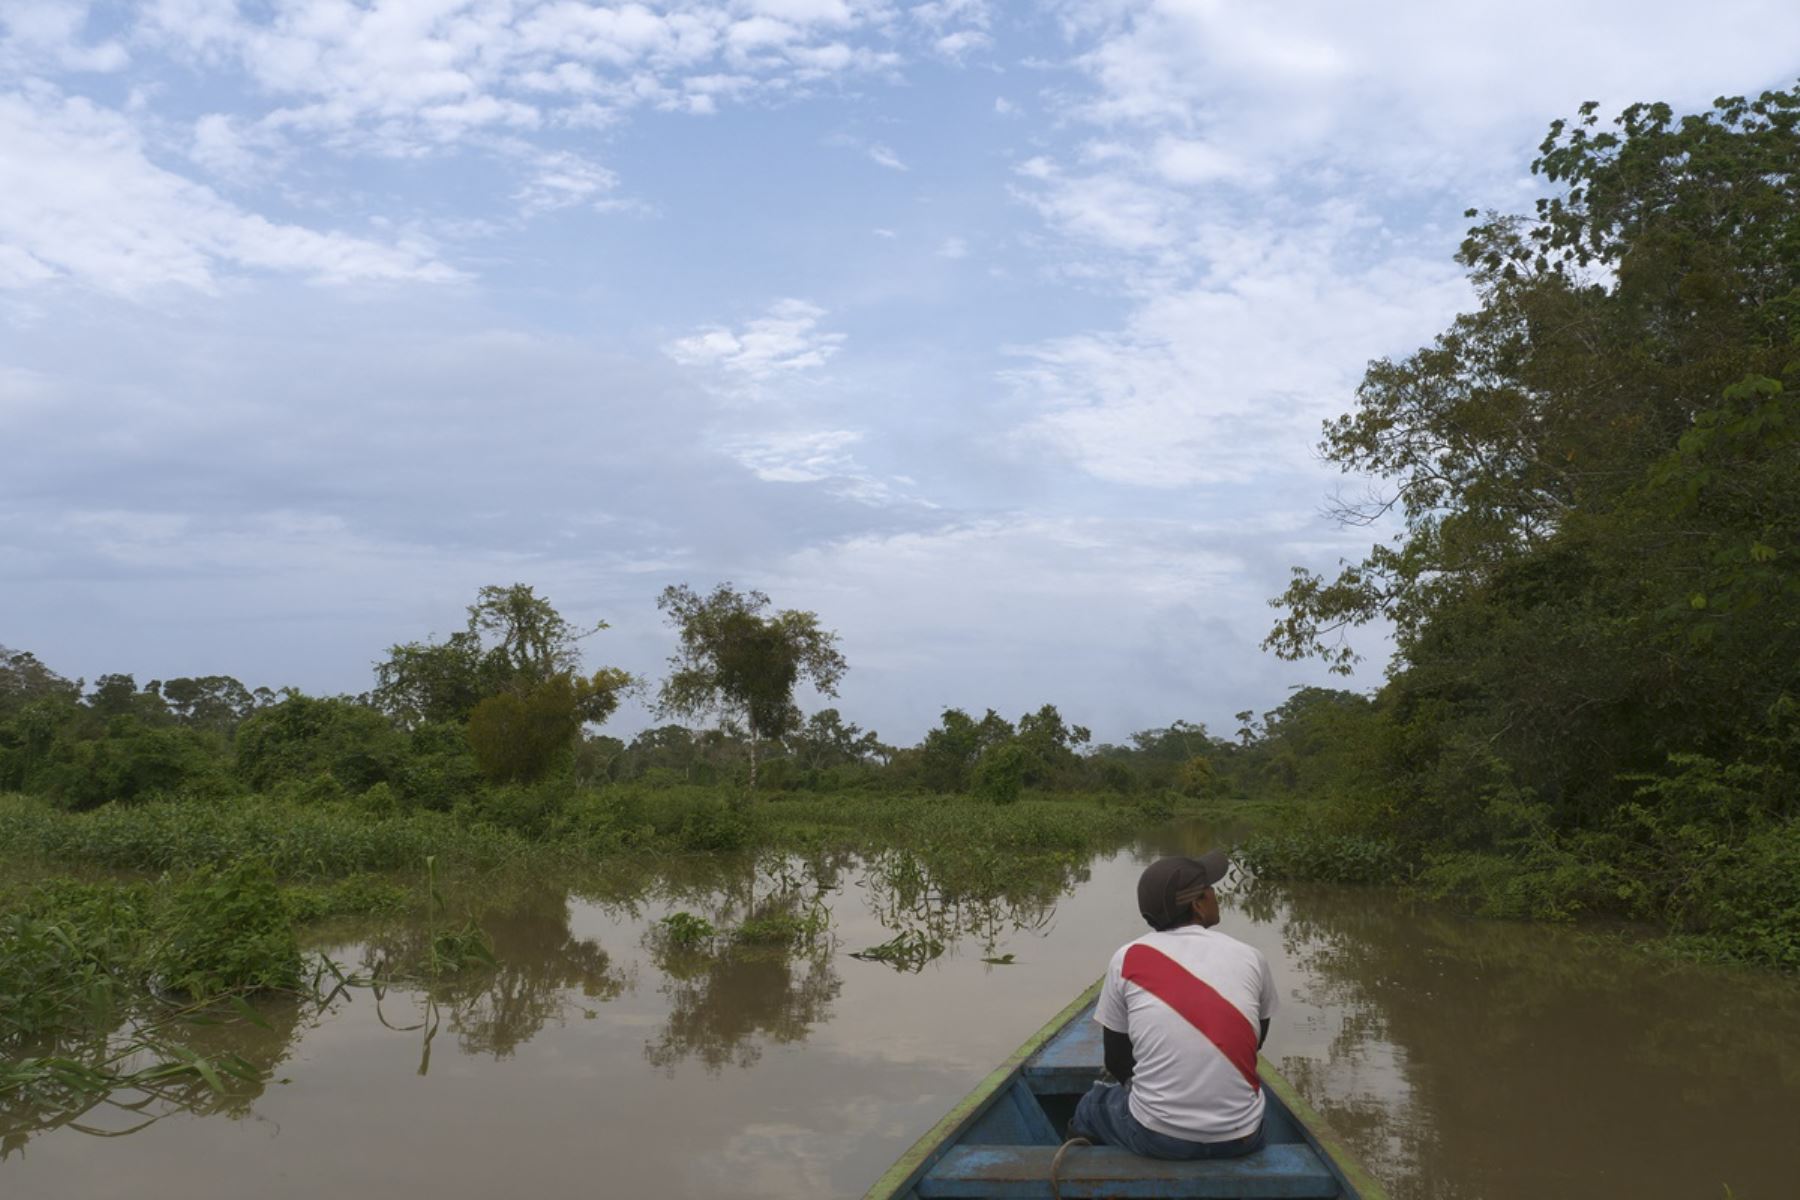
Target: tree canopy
(739, 660)
(1593, 478)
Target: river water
(1461, 1059)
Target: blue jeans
(1104, 1117)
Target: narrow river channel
(1463, 1059)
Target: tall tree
(739, 660)
(512, 678)
(24, 680)
(1593, 473)
(515, 641)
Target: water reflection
(758, 969)
(724, 1005)
(260, 1048)
(542, 972)
(1475, 1059)
(930, 909)
(1462, 1059)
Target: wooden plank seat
(1290, 1171)
(1069, 1063)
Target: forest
(1594, 482)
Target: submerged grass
(190, 899)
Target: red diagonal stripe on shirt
(1223, 1024)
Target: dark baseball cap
(1169, 886)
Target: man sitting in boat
(1183, 1011)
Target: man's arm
(1120, 1061)
(1267, 998)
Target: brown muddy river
(1463, 1059)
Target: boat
(1006, 1139)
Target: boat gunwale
(1324, 1138)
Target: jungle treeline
(212, 738)
(1595, 587)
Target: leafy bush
(781, 927)
(687, 931)
(297, 841)
(715, 827)
(355, 895)
(131, 761)
(1196, 777)
(227, 931)
(525, 809)
(999, 775)
(519, 735)
(69, 950)
(1312, 853)
(303, 737)
(1747, 898)
(439, 768)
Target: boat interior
(1010, 1146)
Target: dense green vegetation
(1594, 701)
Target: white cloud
(819, 456)
(953, 247)
(957, 46)
(938, 14)
(1185, 161)
(79, 198)
(222, 146)
(1424, 87)
(562, 179)
(886, 157)
(1228, 380)
(800, 457)
(784, 340)
(400, 78)
(38, 33)
(1111, 209)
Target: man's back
(1191, 999)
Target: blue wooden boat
(1002, 1139)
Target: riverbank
(108, 911)
(1712, 895)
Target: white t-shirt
(1190, 999)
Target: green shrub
(686, 931)
(304, 737)
(1156, 806)
(1196, 777)
(781, 927)
(518, 736)
(439, 769)
(227, 931)
(528, 809)
(357, 895)
(132, 762)
(70, 950)
(1747, 899)
(714, 827)
(1312, 853)
(999, 775)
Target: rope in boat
(1056, 1164)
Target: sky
(999, 336)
